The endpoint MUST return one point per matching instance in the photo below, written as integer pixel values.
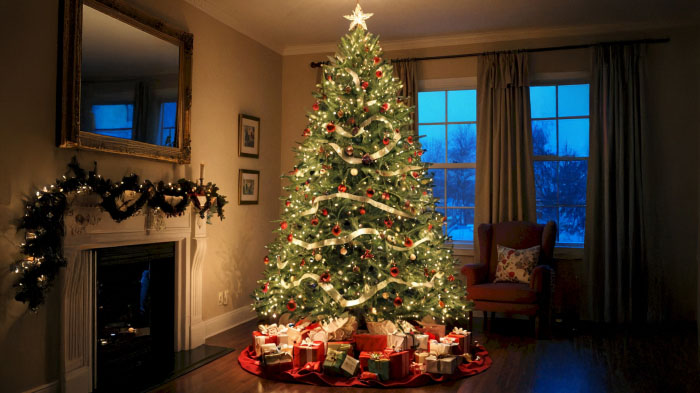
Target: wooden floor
(595, 360)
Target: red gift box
(308, 352)
(368, 376)
(268, 339)
(462, 342)
(399, 362)
(370, 342)
(364, 358)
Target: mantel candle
(201, 170)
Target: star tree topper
(358, 18)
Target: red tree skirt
(251, 364)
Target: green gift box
(341, 346)
(334, 361)
(380, 366)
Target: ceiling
(309, 26)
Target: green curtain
(406, 72)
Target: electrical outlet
(221, 298)
(226, 297)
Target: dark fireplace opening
(134, 316)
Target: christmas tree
(359, 232)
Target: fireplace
(92, 246)
(134, 316)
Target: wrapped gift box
(421, 341)
(419, 357)
(434, 329)
(370, 342)
(417, 368)
(382, 328)
(442, 365)
(380, 365)
(350, 366)
(277, 362)
(368, 376)
(308, 351)
(286, 348)
(400, 363)
(333, 362)
(463, 339)
(446, 347)
(345, 346)
(283, 338)
(259, 339)
(268, 348)
(364, 359)
(400, 341)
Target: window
(560, 128)
(447, 124)
(166, 124)
(114, 120)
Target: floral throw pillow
(516, 265)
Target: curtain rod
(317, 64)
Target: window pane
(545, 182)
(438, 176)
(461, 143)
(544, 137)
(573, 100)
(461, 105)
(571, 224)
(460, 189)
(572, 182)
(431, 107)
(546, 214)
(543, 101)
(168, 114)
(460, 224)
(433, 142)
(573, 138)
(112, 117)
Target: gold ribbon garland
(366, 294)
(342, 132)
(357, 198)
(400, 171)
(350, 237)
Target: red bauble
(342, 188)
(370, 192)
(442, 304)
(291, 305)
(430, 227)
(290, 237)
(283, 225)
(379, 73)
(420, 153)
(266, 260)
(336, 230)
(410, 160)
(450, 278)
(377, 59)
(365, 85)
(385, 106)
(315, 106)
(362, 211)
(386, 141)
(394, 271)
(409, 139)
(287, 202)
(444, 218)
(352, 120)
(306, 132)
(408, 242)
(330, 127)
(314, 221)
(330, 78)
(324, 212)
(266, 287)
(303, 262)
(398, 302)
(326, 277)
(366, 109)
(385, 195)
(388, 222)
(415, 174)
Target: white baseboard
(220, 323)
(51, 387)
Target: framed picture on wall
(248, 186)
(248, 136)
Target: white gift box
(350, 365)
(283, 339)
(444, 365)
(400, 341)
(420, 357)
(259, 341)
(421, 341)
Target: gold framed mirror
(125, 82)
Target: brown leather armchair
(531, 299)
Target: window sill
(566, 252)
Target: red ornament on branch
(394, 271)
(326, 277)
(377, 59)
(314, 221)
(306, 132)
(291, 305)
(330, 127)
(408, 242)
(290, 237)
(303, 262)
(409, 139)
(379, 73)
(367, 255)
(365, 84)
(385, 107)
(324, 212)
(342, 188)
(362, 211)
(266, 260)
(450, 278)
(336, 230)
(315, 106)
(283, 225)
(398, 302)
(386, 195)
(386, 140)
(287, 202)
(370, 192)
(388, 222)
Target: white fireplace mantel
(88, 229)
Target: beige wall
(232, 74)
(673, 143)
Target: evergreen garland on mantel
(42, 251)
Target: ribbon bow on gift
(460, 331)
(307, 343)
(375, 356)
(333, 356)
(269, 330)
(406, 327)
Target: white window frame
(563, 250)
(461, 247)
